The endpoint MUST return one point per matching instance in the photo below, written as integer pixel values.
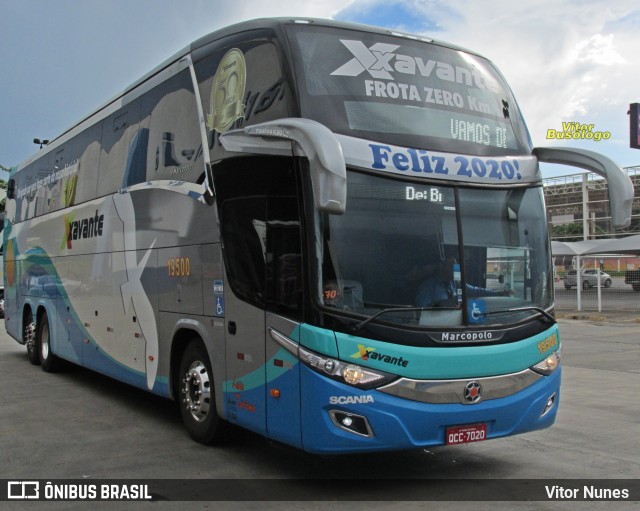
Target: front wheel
(197, 397)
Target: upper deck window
(406, 92)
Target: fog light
(351, 422)
(550, 402)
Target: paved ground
(618, 297)
(79, 425)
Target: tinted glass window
(405, 92)
(170, 132)
(260, 226)
(241, 84)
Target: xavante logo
(81, 229)
(366, 353)
(380, 62)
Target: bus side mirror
(620, 186)
(311, 140)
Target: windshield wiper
(360, 325)
(543, 312)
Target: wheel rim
(44, 341)
(30, 336)
(196, 391)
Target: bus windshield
(405, 92)
(463, 255)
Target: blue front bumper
(396, 423)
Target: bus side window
(244, 233)
(260, 228)
(119, 130)
(170, 131)
(284, 256)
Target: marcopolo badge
(227, 92)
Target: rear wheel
(29, 336)
(585, 285)
(48, 361)
(197, 396)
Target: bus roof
(274, 24)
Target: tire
(48, 361)
(607, 283)
(197, 397)
(585, 285)
(566, 286)
(30, 340)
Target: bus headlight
(363, 378)
(548, 365)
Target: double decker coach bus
(332, 235)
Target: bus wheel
(197, 397)
(29, 336)
(48, 361)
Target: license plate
(457, 435)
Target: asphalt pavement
(78, 425)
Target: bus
(330, 234)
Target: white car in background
(589, 279)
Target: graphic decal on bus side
(133, 293)
(84, 228)
(227, 92)
(40, 279)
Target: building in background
(578, 210)
(578, 207)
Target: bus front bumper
(338, 418)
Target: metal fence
(578, 209)
(599, 287)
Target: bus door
(245, 263)
(245, 361)
(263, 292)
(284, 292)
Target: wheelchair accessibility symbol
(477, 309)
(218, 294)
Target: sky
(565, 60)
